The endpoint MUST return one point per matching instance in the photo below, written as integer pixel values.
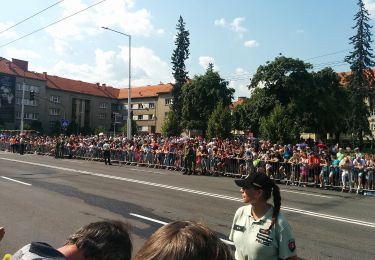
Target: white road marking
(147, 218)
(140, 170)
(165, 223)
(300, 211)
(9, 179)
(307, 194)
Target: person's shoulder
(243, 210)
(282, 222)
(37, 250)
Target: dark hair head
(184, 240)
(103, 240)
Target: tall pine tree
(361, 79)
(180, 54)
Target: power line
(328, 54)
(24, 20)
(51, 24)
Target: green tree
(180, 74)
(171, 126)
(287, 81)
(315, 100)
(37, 126)
(361, 80)
(27, 126)
(124, 128)
(279, 126)
(100, 129)
(72, 128)
(332, 103)
(200, 97)
(56, 129)
(220, 122)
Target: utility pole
(22, 105)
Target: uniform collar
(266, 216)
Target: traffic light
(32, 95)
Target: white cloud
(160, 31)
(251, 44)
(114, 13)
(220, 22)
(239, 81)
(147, 67)
(236, 25)
(205, 60)
(112, 68)
(9, 34)
(370, 6)
(22, 54)
(62, 47)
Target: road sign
(64, 123)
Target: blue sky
(236, 36)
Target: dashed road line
(9, 179)
(165, 223)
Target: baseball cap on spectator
(256, 180)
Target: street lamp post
(129, 122)
(22, 105)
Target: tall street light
(129, 122)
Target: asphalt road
(53, 198)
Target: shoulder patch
(292, 245)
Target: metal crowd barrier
(329, 177)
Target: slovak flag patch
(292, 245)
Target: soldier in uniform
(188, 158)
(107, 153)
(259, 229)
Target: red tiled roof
(239, 101)
(8, 67)
(72, 85)
(78, 86)
(146, 91)
(343, 76)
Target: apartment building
(88, 105)
(149, 105)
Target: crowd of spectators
(306, 163)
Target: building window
(29, 116)
(28, 87)
(151, 105)
(372, 127)
(140, 106)
(140, 117)
(125, 106)
(168, 101)
(103, 105)
(52, 124)
(150, 116)
(54, 99)
(26, 102)
(102, 116)
(54, 112)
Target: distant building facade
(88, 105)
